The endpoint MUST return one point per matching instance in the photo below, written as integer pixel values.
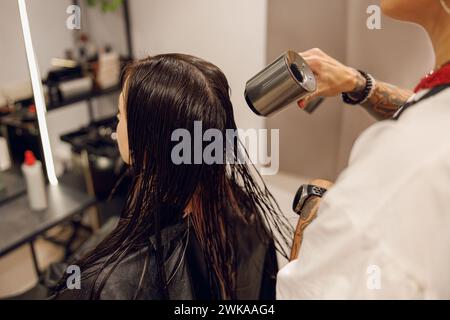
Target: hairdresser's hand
(308, 214)
(332, 77)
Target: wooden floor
(17, 273)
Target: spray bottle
(34, 178)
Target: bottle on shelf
(34, 178)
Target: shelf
(83, 97)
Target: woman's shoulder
(121, 280)
(118, 281)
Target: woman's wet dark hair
(164, 93)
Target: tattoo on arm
(385, 100)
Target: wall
(229, 33)
(13, 67)
(400, 53)
(48, 30)
(309, 143)
(319, 145)
(105, 28)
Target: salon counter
(14, 186)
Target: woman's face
(418, 11)
(122, 131)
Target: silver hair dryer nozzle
(286, 80)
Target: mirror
(19, 130)
(80, 48)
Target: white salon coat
(383, 230)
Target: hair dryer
(286, 80)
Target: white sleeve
(382, 229)
(339, 262)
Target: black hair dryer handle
(313, 104)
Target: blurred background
(241, 37)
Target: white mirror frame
(38, 92)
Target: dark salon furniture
(20, 225)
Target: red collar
(435, 78)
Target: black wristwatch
(362, 96)
(305, 192)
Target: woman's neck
(439, 33)
(442, 50)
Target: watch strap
(348, 98)
(305, 192)
(315, 190)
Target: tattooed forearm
(385, 100)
